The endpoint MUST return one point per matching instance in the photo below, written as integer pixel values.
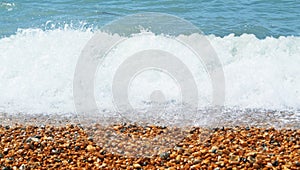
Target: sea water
(257, 42)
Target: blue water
(262, 18)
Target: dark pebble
(5, 152)
(38, 137)
(193, 130)
(275, 163)
(144, 163)
(91, 139)
(57, 160)
(164, 155)
(28, 140)
(77, 148)
(7, 168)
(123, 130)
(1, 155)
(10, 160)
(244, 160)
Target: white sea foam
(8, 6)
(37, 69)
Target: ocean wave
(37, 71)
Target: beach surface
(68, 145)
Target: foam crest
(260, 73)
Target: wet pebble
(164, 155)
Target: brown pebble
(90, 148)
(26, 146)
(178, 157)
(137, 166)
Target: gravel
(70, 146)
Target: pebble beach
(70, 146)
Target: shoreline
(228, 118)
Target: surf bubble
(136, 53)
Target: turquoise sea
(259, 17)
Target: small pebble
(90, 138)
(275, 163)
(269, 165)
(5, 151)
(90, 148)
(164, 155)
(22, 167)
(7, 168)
(137, 166)
(144, 163)
(26, 146)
